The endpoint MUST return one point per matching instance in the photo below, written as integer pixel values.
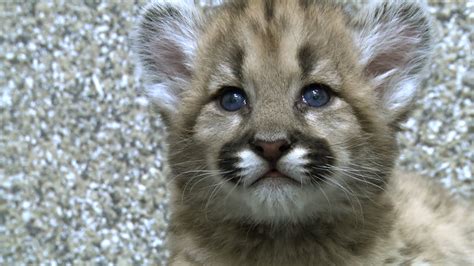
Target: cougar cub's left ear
(165, 43)
(395, 42)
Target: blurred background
(83, 160)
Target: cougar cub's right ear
(165, 43)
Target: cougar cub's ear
(395, 42)
(165, 42)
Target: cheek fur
(321, 158)
(216, 128)
(293, 163)
(334, 119)
(339, 127)
(251, 165)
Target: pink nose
(272, 151)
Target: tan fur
(421, 230)
(363, 212)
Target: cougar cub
(282, 119)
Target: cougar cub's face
(279, 110)
(275, 122)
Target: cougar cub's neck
(359, 238)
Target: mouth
(275, 178)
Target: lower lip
(274, 177)
(274, 173)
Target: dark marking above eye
(305, 3)
(268, 9)
(236, 59)
(390, 260)
(306, 59)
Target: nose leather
(271, 151)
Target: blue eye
(316, 95)
(233, 99)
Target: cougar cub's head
(281, 110)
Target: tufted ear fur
(395, 46)
(165, 43)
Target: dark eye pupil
(233, 100)
(316, 95)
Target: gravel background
(82, 171)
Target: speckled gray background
(81, 158)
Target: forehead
(280, 38)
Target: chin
(280, 200)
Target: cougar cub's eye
(232, 99)
(316, 95)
